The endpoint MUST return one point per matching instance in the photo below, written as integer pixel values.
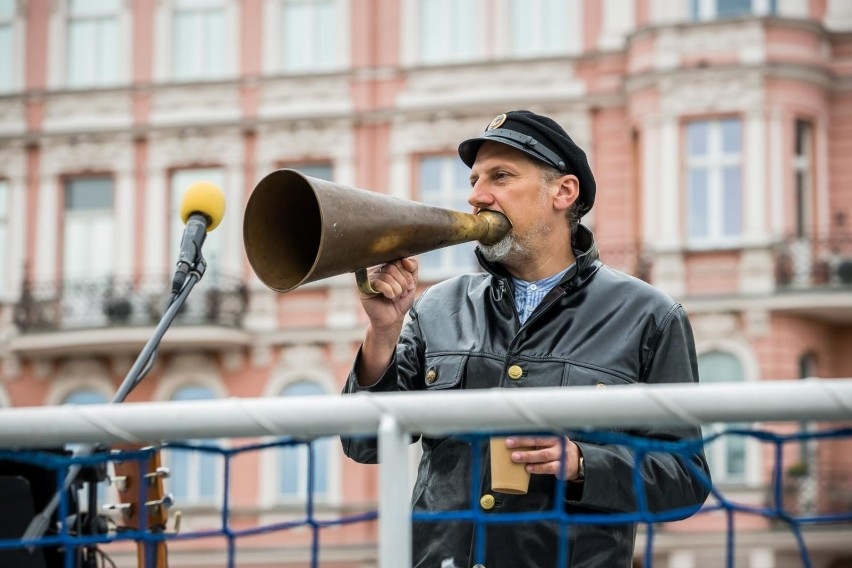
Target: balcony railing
(117, 302)
(803, 262)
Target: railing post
(394, 497)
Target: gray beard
(513, 250)
(502, 249)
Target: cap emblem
(497, 122)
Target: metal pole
(394, 511)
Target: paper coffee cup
(506, 475)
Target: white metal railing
(395, 416)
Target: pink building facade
(719, 132)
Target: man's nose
(480, 197)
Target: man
(546, 312)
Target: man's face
(504, 179)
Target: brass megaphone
(298, 229)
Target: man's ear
(568, 192)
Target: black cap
(543, 139)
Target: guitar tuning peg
(176, 525)
(155, 506)
(161, 472)
(119, 482)
(124, 509)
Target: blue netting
(63, 535)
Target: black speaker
(25, 490)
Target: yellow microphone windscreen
(206, 198)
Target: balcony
(807, 263)
(117, 314)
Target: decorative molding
(10, 367)
(301, 363)
(549, 80)
(42, 368)
(103, 152)
(189, 369)
(196, 104)
(13, 117)
(232, 360)
(757, 323)
(261, 356)
(80, 374)
(13, 159)
(120, 364)
(342, 308)
(729, 90)
(202, 145)
(715, 325)
(304, 139)
(88, 109)
(673, 44)
(307, 95)
(302, 356)
(342, 352)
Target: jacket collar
(584, 268)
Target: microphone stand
(143, 364)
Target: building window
(703, 10)
(537, 27)
(88, 228)
(196, 476)
(802, 163)
(4, 231)
(7, 45)
(213, 243)
(447, 30)
(320, 171)
(727, 455)
(293, 462)
(714, 181)
(198, 39)
(83, 397)
(93, 42)
(311, 32)
(444, 181)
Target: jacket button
(515, 372)
(479, 566)
(487, 502)
(431, 375)
(600, 386)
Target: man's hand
(396, 283)
(544, 457)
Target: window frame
(708, 10)
(717, 452)
(16, 30)
(449, 52)
(5, 232)
(100, 76)
(274, 46)
(572, 41)
(714, 163)
(164, 64)
(302, 458)
(446, 267)
(194, 460)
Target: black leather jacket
(598, 326)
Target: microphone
(201, 209)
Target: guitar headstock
(144, 505)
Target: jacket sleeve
(404, 373)
(669, 485)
